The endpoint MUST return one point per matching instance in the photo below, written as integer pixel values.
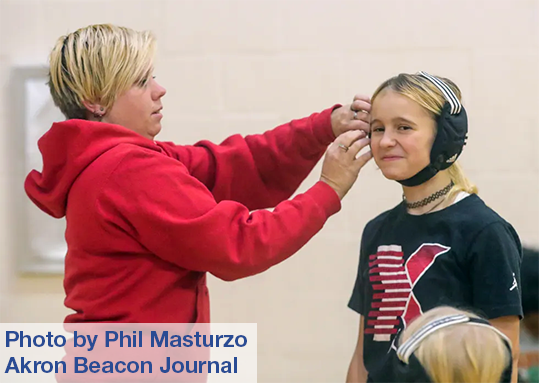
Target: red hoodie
(146, 220)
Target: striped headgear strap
(449, 95)
(408, 348)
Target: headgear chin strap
(407, 367)
(452, 127)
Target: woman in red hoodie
(147, 219)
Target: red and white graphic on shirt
(393, 283)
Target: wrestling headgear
(452, 128)
(407, 368)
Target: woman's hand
(354, 116)
(341, 167)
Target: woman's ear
(97, 110)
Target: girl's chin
(393, 175)
(393, 172)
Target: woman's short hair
(461, 352)
(96, 64)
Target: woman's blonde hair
(461, 352)
(427, 95)
(96, 64)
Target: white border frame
(31, 258)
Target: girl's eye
(379, 129)
(404, 127)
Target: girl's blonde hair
(96, 64)
(426, 94)
(461, 352)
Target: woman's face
(402, 134)
(139, 108)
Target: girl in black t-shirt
(441, 246)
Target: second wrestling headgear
(407, 368)
(452, 128)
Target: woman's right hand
(341, 167)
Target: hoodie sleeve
(156, 201)
(262, 170)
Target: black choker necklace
(429, 199)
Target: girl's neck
(420, 192)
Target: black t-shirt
(465, 256)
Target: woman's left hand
(355, 116)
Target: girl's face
(402, 134)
